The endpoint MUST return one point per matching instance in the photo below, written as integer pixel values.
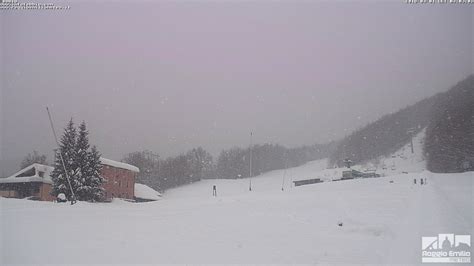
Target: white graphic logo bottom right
(447, 248)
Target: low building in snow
(32, 181)
(35, 181)
(351, 174)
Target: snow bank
(145, 192)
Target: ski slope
(270, 181)
(404, 160)
(382, 223)
(401, 161)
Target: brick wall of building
(44, 192)
(119, 183)
(8, 193)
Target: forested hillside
(449, 145)
(384, 136)
(449, 142)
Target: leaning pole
(73, 200)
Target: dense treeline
(32, 158)
(386, 135)
(449, 142)
(234, 162)
(166, 173)
(198, 164)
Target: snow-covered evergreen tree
(82, 160)
(88, 168)
(94, 179)
(67, 148)
(83, 166)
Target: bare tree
(32, 158)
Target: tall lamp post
(250, 164)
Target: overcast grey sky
(170, 76)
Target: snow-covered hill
(270, 181)
(400, 162)
(403, 160)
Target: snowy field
(382, 223)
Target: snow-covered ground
(382, 223)
(383, 220)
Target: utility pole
(250, 164)
(284, 174)
(73, 199)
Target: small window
(41, 173)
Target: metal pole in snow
(250, 164)
(61, 157)
(284, 174)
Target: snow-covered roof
(145, 192)
(33, 173)
(113, 163)
(42, 173)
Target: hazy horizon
(168, 77)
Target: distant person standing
(421, 181)
(414, 180)
(214, 191)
